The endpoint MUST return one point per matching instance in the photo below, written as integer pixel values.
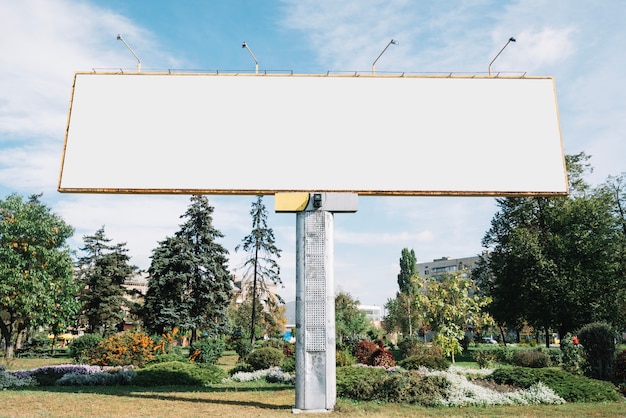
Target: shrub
(409, 347)
(207, 350)
(554, 354)
(273, 342)
(426, 356)
(37, 346)
(570, 387)
(178, 373)
(289, 350)
(485, 357)
(431, 362)
(288, 365)
(130, 348)
(163, 358)
(573, 354)
(344, 358)
(241, 367)
(368, 383)
(364, 351)
(271, 375)
(534, 358)
(119, 377)
(598, 338)
(83, 345)
(243, 347)
(620, 367)
(276, 375)
(9, 380)
(48, 375)
(383, 358)
(265, 358)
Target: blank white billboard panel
(245, 134)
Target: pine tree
(189, 285)
(260, 244)
(103, 270)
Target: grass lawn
(241, 400)
(27, 363)
(259, 401)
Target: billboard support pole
(316, 389)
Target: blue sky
(44, 42)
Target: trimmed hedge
(377, 384)
(178, 373)
(265, 358)
(570, 387)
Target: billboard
(263, 134)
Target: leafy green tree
(270, 316)
(189, 285)
(552, 259)
(261, 263)
(615, 191)
(451, 304)
(405, 313)
(408, 269)
(37, 287)
(350, 322)
(103, 270)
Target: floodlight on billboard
(264, 134)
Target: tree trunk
(502, 335)
(256, 259)
(7, 330)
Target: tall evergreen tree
(104, 270)
(408, 269)
(37, 286)
(261, 263)
(189, 285)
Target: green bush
(276, 343)
(430, 356)
(83, 345)
(178, 373)
(241, 367)
(38, 346)
(344, 358)
(164, 358)
(207, 350)
(265, 357)
(554, 354)
(409, 347)
(288, 365)
(429, 361)
(118, 378)
(485, 357)
(620, 367)
(368, 383)
(598, 338)
(8, 381)
(534, 358)
(573, 355)
(570, 387)
(243, 347)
